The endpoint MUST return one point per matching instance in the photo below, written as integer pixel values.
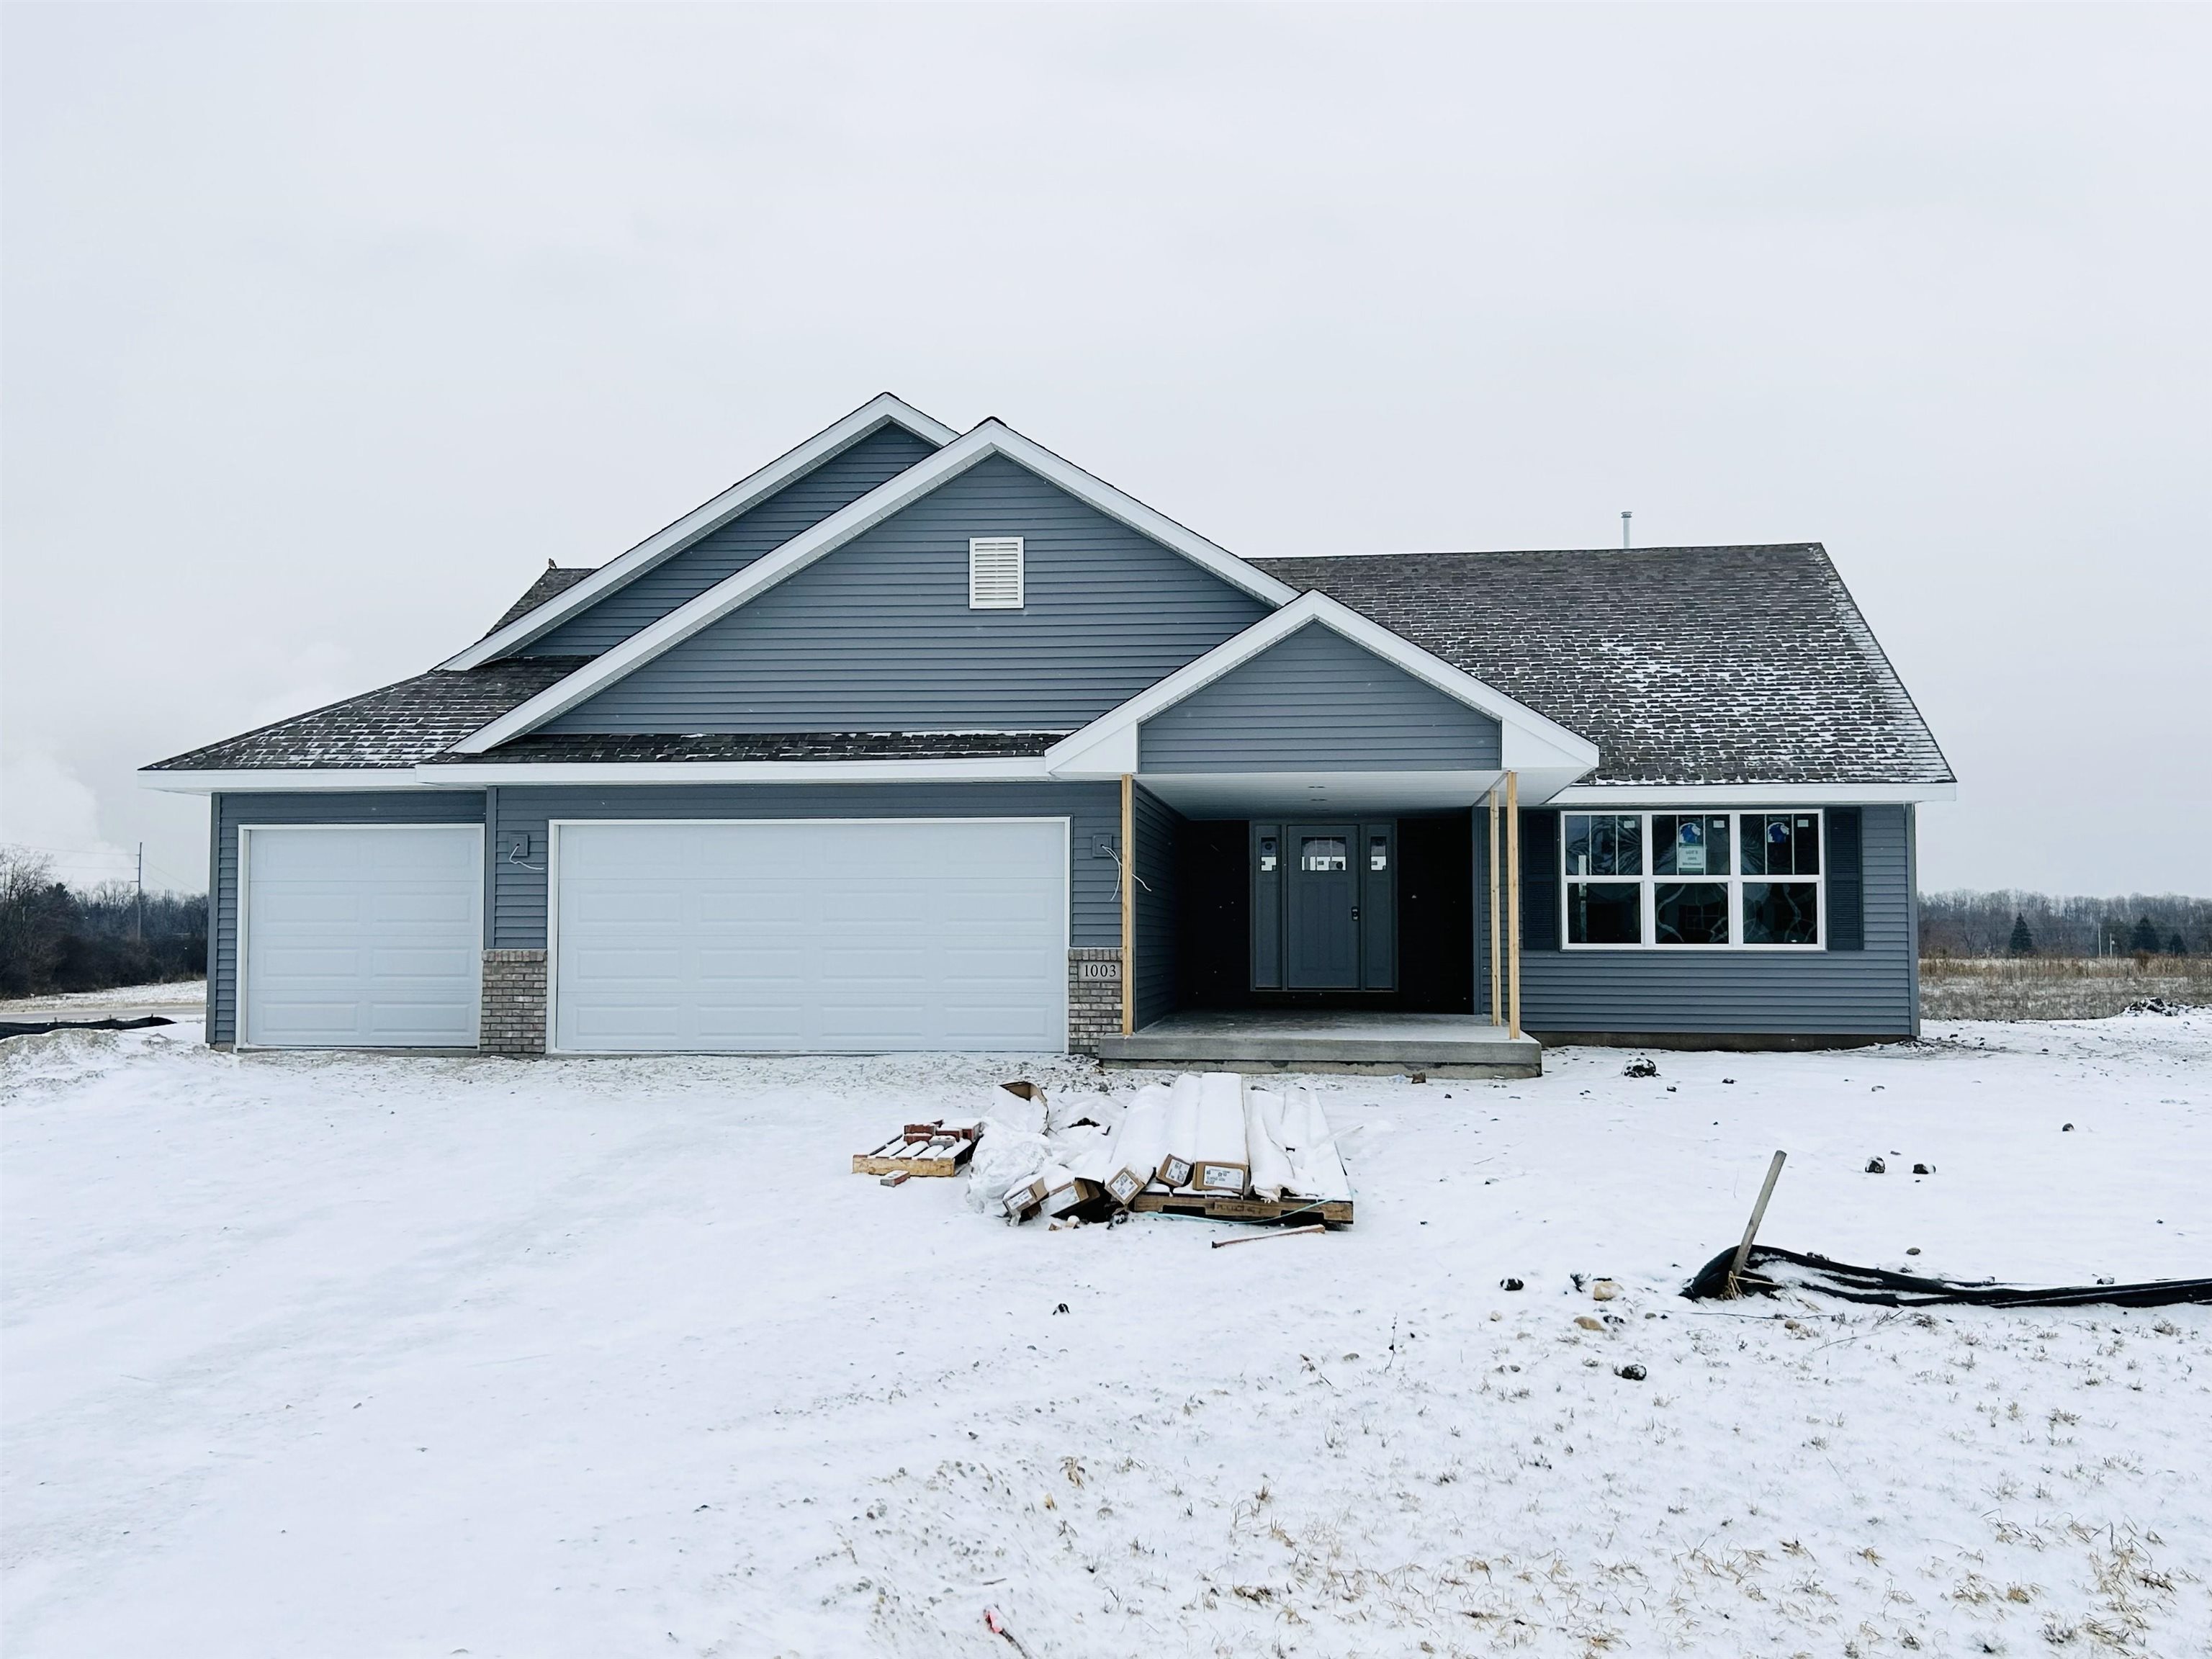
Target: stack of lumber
(938, 1148)
(1204, 1144)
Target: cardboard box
(1220, 1180)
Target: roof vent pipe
(1624, 518)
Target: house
(922, 740)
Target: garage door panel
(800, 937)
(361, 936)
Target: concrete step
(1445, 1045)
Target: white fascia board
(282, 779)
(1662, 795)
(748, 492)
(1004, 769)
(991, 438)
(1108, 746)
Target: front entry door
(1323, 934)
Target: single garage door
(810, 937)
(361, 937)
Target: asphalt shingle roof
(394, 725)
(554, 578)
(1684, 664)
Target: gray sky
(326, 327)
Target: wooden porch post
(1497, 964)
(1128, 870)
(1513, 899)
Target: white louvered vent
(995, 573)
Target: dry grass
(2057, 988)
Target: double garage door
(798, 937)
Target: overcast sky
(325, 328)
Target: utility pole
(139, 925)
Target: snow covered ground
(349, 1356)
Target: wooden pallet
(943, 1156)
(1334, 1211)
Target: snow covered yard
(351, 1356)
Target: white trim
(748, 492)
(1109, 746)
(1732, 879)
(1663, 797)
(991, 438)
(554, 826)
(278, 780)
(240, 1040)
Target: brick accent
(1094, 1005)
(513, 1003)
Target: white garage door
(368, 935)
(810, 937)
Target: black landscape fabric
(14, 1028)
(1891, 1289)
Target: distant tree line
(53, 938)
(2010, 923)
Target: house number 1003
(1098, 970)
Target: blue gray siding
(877, 635)
(227, 813)
(519, 873)
(1153, 824)
(1316, 699)
(800, 505)
(1843, 992)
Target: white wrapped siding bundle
(1271, 1166)
(1139, 1145)
(1317, 1168)
(1223, 1166)
(1182, 1131)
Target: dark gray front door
(1323, 910)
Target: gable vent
(995, 573)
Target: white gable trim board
(992, 438)
(747, 493)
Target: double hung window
(1663, 880)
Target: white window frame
(1648, 882)
(981, 546)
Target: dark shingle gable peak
(551, 581)
(1721, 664)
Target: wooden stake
(1129, 866)
(1757, 1215)
(1497, 966)
(1259, 1238)
(1513, 900)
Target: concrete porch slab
(1261, 1041)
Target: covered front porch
(1360, 923)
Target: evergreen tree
(2177, 947)
(2145, 937)
(2023, 942)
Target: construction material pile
(1207, 1144)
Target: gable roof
(993, 437)
(1531, 742)
(1684, 664)
(517, 631)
